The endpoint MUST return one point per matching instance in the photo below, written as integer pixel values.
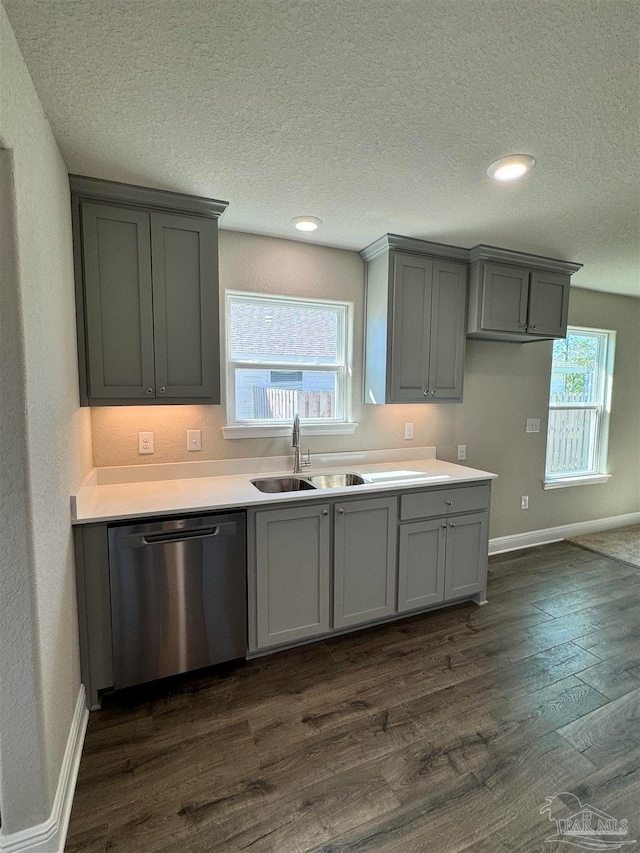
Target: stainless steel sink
(282, 484)
(335, 481)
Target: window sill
(587, 480)
(277, 430)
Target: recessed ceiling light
(306, 223)
(511, 168)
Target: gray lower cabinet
(517, 297)
(442, 559)
(146, 267)
(315, 567)
(421, 564)
(415, 321)
(466, 555)
(290, 565)
(370, 558)
(364, 579)
(91, 542)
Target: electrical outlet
(194, 439)
(533, 425)
(462, 452)
(145, 442)
(409, 431)
(524, 502)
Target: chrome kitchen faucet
(298, 463)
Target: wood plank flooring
(445, 732)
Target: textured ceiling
(375, 115)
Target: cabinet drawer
(444, 501)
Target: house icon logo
(587, 828)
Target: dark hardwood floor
(445, 732)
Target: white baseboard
(50, 836)
(556, 534)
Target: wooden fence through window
(283, 403)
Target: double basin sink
(313, 481)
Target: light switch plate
(533, 425)
(409, 431)
(145, 442)
(194, 439)
(462, 452)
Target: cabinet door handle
(426, 392)
(433, 392)
(325, 512)
(448, 503)
(444, 524)
(522, 325)
(532, 327)
(162, 390)
(149, 391)
(451, 524)
(341, 511)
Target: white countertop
(115, 494)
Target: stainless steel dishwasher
(178, 595)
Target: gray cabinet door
(185, 306)
(466, 555)
(421, 564)
(118, 302)
(548, 304)
(364, 560)
(505, 295)
(446, 348)
(411, 326)
(292, 573)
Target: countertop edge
(95, 504)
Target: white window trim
(605, 382)
(284, 429)
(581, 480)
(340, 425)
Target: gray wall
(46, 448)
(504, 384)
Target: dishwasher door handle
(171, 537)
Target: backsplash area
(504, 384)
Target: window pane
(575, 375)
(572, 439)
(279, 394)
(272, 331)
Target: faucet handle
(306, 463)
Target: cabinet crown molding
(508, 256)
(480, 252)
(97, 189)
(413, 246)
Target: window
(286, 355)
(579, 405)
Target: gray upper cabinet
(146, 265)
(548, 304)
(517, 297)
(185, 306)
(411, 326)
(118, 302)
(415, 321)
(364, 561)
(505, 297)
